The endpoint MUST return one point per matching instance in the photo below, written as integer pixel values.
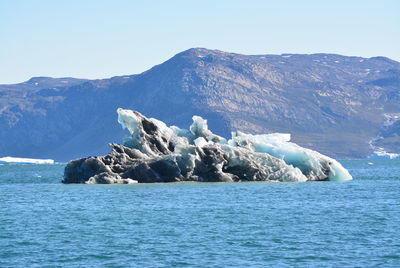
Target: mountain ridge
(332, 103)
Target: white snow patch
(391, 118)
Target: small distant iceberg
(385, 155)
(9, 159)
(155, 152)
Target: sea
(44, 223)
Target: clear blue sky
(99, 39)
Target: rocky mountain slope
(341, 106)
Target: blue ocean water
(44, 223)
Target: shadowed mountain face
(340, 106)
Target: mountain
(341, 106)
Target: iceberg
(155, 152)
(9, 159)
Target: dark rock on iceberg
(154, 152)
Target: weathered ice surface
(154, 152)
